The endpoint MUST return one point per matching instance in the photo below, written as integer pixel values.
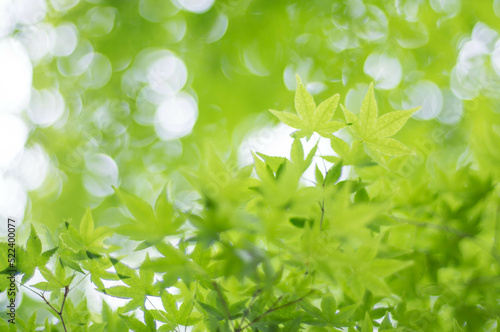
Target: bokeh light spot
(46, 107)
(101, 176)
(64, 39)
(100, 20)
(167, 74)
(99, 70)
(426, 94)
(385, 70)
(157, 10)
(196, 6)
(13, 136)
(176, 117)
(15, 76)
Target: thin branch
(311, 181)
(270, 310)
(278, 300)
(451, 230)
(321, 155)
(159, 311)
(226, 308)
(28, 288)
(322, 204)
(192, 307)
(85, 276)
(50, 305)
(442, 228)
(247, 310)
(495, 250)
(42, 296)
(60, 312)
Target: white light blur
(31, 167)
(147, 106)
(168, 74)
(453, 108)
(13, 136)
(414, 35)
(64, 39)
(98, 72)
(157, 10)
(218, 29)
(478, 54)
(37, 40)
(276, 141)
(253, 60)
(384, 69)
(473, 54)
(272, 141)
(449, 7)
(63, 5)
(495, 58)
(485, 34)
(100, 20)
(196, 6)
(374, 26)
(315, 87)
(13, 198)
(355, 96)
(78, 62)
(175, 28)
(46, 107)
(101, 176)
(426, 94)
(303, 69)
(15, 76)
(496, 7)
(7, 18)
(176, 117)
(29, 11)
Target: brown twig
(58, 312)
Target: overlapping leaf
(309, 118)
(375, 131)
(147, 224)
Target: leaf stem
(272, 309)
(85, 276)
(224, 304)
(443, 228)
(247, 310)
(60, 312)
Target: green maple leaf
(148, 224)
(310, 118)
(92, 238)
(33, 257)
(375, 131)
(137, 286)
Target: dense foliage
(125, 128)
(368, 244)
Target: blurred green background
(95, 94)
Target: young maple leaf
(374, 131)
(311, 118)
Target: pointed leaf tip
(298, 79)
